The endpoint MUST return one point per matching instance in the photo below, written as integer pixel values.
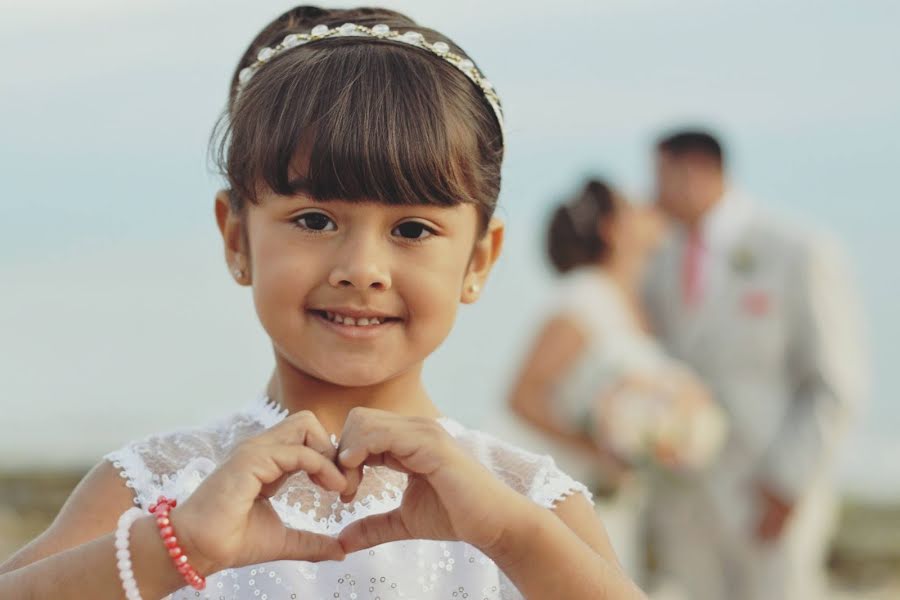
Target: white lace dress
(174, 464)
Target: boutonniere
(756, 303)
(743, 261)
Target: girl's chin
(348, 375)
(356, 380)
(347, 369)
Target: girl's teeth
(362, 321)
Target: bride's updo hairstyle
(574, 237)
(359, 119)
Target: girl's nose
(359, 267)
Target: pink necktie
(692, 270)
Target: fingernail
(344, 455)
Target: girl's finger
(373, 530)
(415, 445)
(308, 546)
(304, 428)
(353, 475)
(350, 459)
(275, 463)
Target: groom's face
(686, 185)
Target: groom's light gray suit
(776, 338)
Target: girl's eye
(315, 222)
(413, 230)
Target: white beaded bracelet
(123, 556)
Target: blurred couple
(700, 361)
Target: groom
(763, 311)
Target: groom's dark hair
(692, 141)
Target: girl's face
(357, 293)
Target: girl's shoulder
(173, 463)
(533, 475)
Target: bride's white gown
(616, 345)
(174, 464)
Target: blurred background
(118, 317)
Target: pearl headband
(381, 31)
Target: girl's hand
(229, 522)
(449, 495)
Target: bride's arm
(554, 351)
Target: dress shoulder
(535, 476)
(173, 463)
(176, 462)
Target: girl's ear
(484, 255)
(232, 228)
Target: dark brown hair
(573, 238)
(692, 141)
(367, 120)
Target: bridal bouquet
(668, 419)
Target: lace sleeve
(132, 469)
(533, 475)
(548, 486)
(171, 464)
(552, 484)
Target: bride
(595, 382)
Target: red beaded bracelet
(161, 511)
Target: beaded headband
(381, 31)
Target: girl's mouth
(357, 321)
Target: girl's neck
(296, 391)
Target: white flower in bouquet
(668, 420)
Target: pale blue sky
(114, 293)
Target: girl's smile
(355, 323)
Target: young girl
(363, 155)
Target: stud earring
(474, 288)
(239, 273)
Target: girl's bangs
(371, 122)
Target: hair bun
(573, 237)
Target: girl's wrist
(150, 560)
(519, 522)
(204, 565)
(152, 566)
(162, 510)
